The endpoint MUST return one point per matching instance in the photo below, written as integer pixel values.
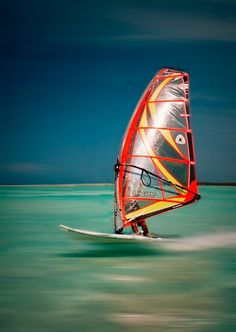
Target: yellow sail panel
(177, 199)
(143, 121)
(161, 205)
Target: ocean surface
(51, 281)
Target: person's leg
(144, 227)
(134, 227)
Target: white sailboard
(99, 236)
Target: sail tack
(155, 171)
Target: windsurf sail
(155, 169)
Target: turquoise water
(51, 281)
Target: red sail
(156, 165)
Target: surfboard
(96, 236)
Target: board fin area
(96, 236)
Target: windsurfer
(132, 206)
(143, 225)
(148, 180)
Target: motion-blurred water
(51, 281)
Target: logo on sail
(180, 139)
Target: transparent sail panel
(179, 172)
(139, 147)
(173, 90)
(143, 182)
(144, 163)
(169, 190)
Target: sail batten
(155, 171)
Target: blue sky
(71, 73)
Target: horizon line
(227, 183)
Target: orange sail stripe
(143, 122)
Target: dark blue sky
(71, 73)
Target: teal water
(51, 281)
